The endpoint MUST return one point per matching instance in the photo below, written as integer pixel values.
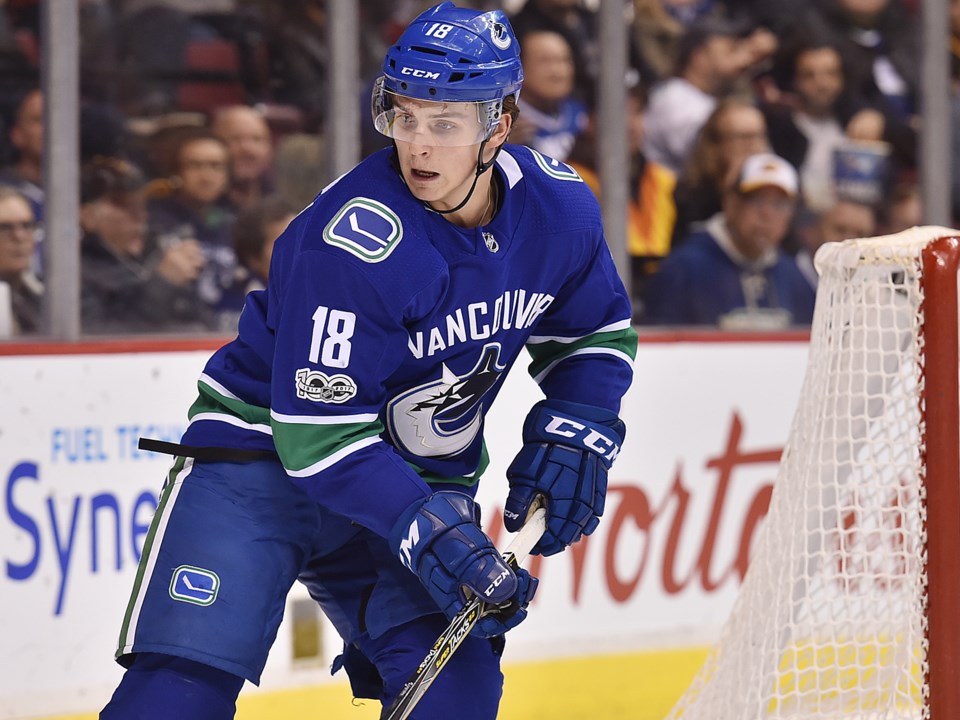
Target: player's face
(438, 124)
(440, 174)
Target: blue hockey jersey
(386, 331)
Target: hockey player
(338, 440)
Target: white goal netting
(830, 621)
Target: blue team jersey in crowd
(386, 331)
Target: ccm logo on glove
(408, 543)
(591, 439)
(496, 583)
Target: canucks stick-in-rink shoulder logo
(194, 585)
(320, 387)
(365, 228)
(555, 168)
(443, 417)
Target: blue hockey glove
(440, 540)
(567, 450)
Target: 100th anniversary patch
(316, 386)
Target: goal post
(850, 607)
(942, 474)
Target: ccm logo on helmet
(591, 439)
(414, 72)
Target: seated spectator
(247, 136)
(815, 116)
(845, 220)
(256, 230)
(550, 117)
(299, 57)
(656, 32)
(129, 283)
(20, 287)
(734, 273)
(807, 128)
(194, 208)
(734, 130)
(710, 61)
(650, 201)
(902, 209)
(25, 174)
(658, 26)
(878, 40)
(579, 27)
(955, 40)
(301, 167)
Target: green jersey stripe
(307, 448)
(548, 354)
(211, 400)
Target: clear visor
(427, 122)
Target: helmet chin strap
(482, 167)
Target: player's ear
(502, 132)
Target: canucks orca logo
(499, 35)
(365, 228)
(443, 417)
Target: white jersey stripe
(209, 381)
(537, 339)
(324, 419)
(232, 420)
(151, 560)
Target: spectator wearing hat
(733, 273)
(711, 58)
(129, 283)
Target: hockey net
(849, 607)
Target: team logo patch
(555, 168)
(316, 386)
(444, 416)
(500, 36)
(194, 585)
(365, 228)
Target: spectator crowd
(758, 130)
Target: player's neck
(481, 207)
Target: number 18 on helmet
(444, 81)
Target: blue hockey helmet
(450, 55)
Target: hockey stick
(461, 625)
